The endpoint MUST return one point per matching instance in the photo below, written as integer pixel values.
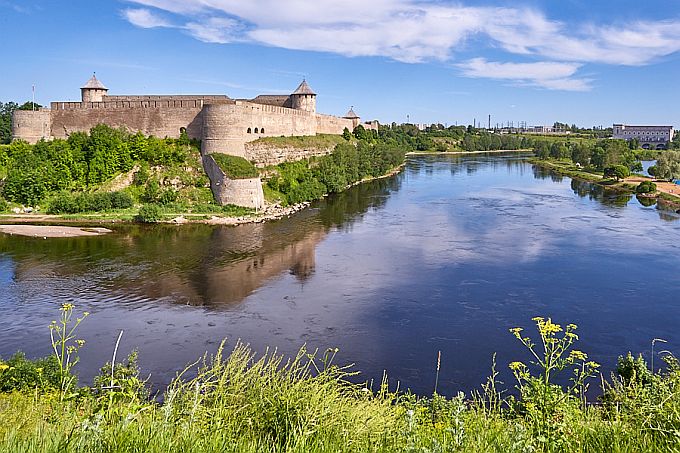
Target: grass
(235, 167)
(319, 141)
(242, 402)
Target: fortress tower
(93, 91)
(351, 115)
(304, 98)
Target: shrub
(149, 213)
(20, 373)
(235, 167)
(69, 203)
(120, 200)
(167, 196)
(4, 205)
(141, 175)
(646, 187)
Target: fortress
(223, 125)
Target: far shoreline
(453, 153)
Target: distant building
(650, 137)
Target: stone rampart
(150, 117)
(327, 124)
(239, 192)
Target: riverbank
(272, 212)
(667, 194)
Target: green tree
(346, 134)
(617, 171)
(668, 165)
(29, 106)
(6, 110)
(360, 133)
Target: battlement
(168, 103)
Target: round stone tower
(93, 91)
(304, 98)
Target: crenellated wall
(158, 118)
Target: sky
(592, 63)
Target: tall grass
(248, 403)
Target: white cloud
(546, 74)
(144, 18)
(215, 29)
(417, 30)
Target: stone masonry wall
(240, 192)
(263, 155)
(31, 125)
(160, 120)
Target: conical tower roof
(304, 88)
(94, 84)
(351, 114)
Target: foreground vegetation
(309, 403)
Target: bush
(19, 373)
(167, 196)
(69, 203)
(149, 213)
(4, 205)
(646, 187)
(120, 200)
(235, 167)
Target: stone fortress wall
(223, 125)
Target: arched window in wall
(262, 131)
(250, 131)
(256, 130)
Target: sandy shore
(661, 186)
(52, 231)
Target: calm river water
(446, 256)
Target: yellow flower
(3, 366)
(67, 307)
(514, 366)
(578, 355)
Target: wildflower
(515, 366)
(3, 366)
(577, 355)
(80, 343)
(516, 331)
(66, 307)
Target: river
(446, 256)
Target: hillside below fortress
(224, 125)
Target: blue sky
(538, 61)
